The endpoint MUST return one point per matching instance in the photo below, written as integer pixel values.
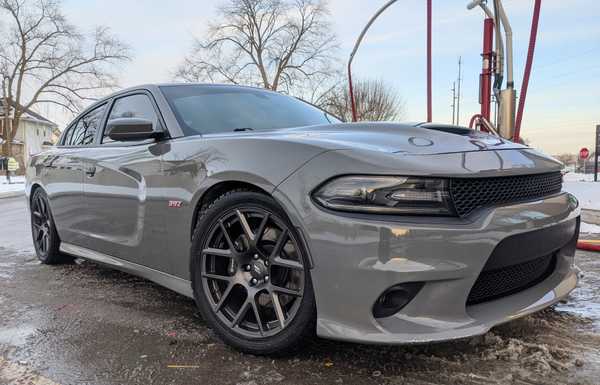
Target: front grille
(469, 194)
(497, 283)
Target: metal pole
(351, 90)
(458, 92)
(596, 156)
(486, 70)
(356, 45)
(528, 65)
(453, 102)
(429, 92)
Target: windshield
(203, 109)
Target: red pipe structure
(528, 66)
(485, 87)
(474, 118)
(429, 92)
(359, 41)
(589, 245)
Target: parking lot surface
(86, 324)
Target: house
(35, 133)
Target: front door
(125, 215)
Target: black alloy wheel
(251, 273)
(45, 238)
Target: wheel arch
(218, 189)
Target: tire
(276, 319)
(43, 231)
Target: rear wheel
(43, 230)
(250, 274)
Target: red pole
(485, 88)
(528, 65)
(429, 102)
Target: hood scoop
(450, 129)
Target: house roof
(32, 115)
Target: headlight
(386, 195)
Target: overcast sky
(563, 105)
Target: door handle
(90, 171)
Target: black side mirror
(131, 129)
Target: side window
(91, 122)
(83, 132)
(132, 106)
(76, 138)
(67, 137)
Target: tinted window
(92, 122)
(84, 130)
(76, 138)
(133, 106)
(67, 138)
(210, 109)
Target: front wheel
(250, 274)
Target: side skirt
(179, 285)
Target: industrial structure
(497, 65)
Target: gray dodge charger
(281, 221)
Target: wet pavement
(86, 324)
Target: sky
(563, 102)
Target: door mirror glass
(131, 129)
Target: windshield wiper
(241, 129)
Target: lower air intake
(497, 283)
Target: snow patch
(584, 188)
(17, 185)
(588, 228)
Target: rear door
(125, 215)
(63, 182)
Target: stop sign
(584, 153)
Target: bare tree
(276, 44)
(44, 59)
(375, 101)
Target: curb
(11, 194)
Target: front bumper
(357, 258)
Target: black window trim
(109, 101)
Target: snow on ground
(584, 188)
(588, 228)
(17, 185)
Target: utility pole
(5, 131)
(453, 102)
(458, 91)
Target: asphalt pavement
(86, 324)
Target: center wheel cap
(258, 270)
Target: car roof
(154, 86)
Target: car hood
(419, 139)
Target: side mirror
(131, 129)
